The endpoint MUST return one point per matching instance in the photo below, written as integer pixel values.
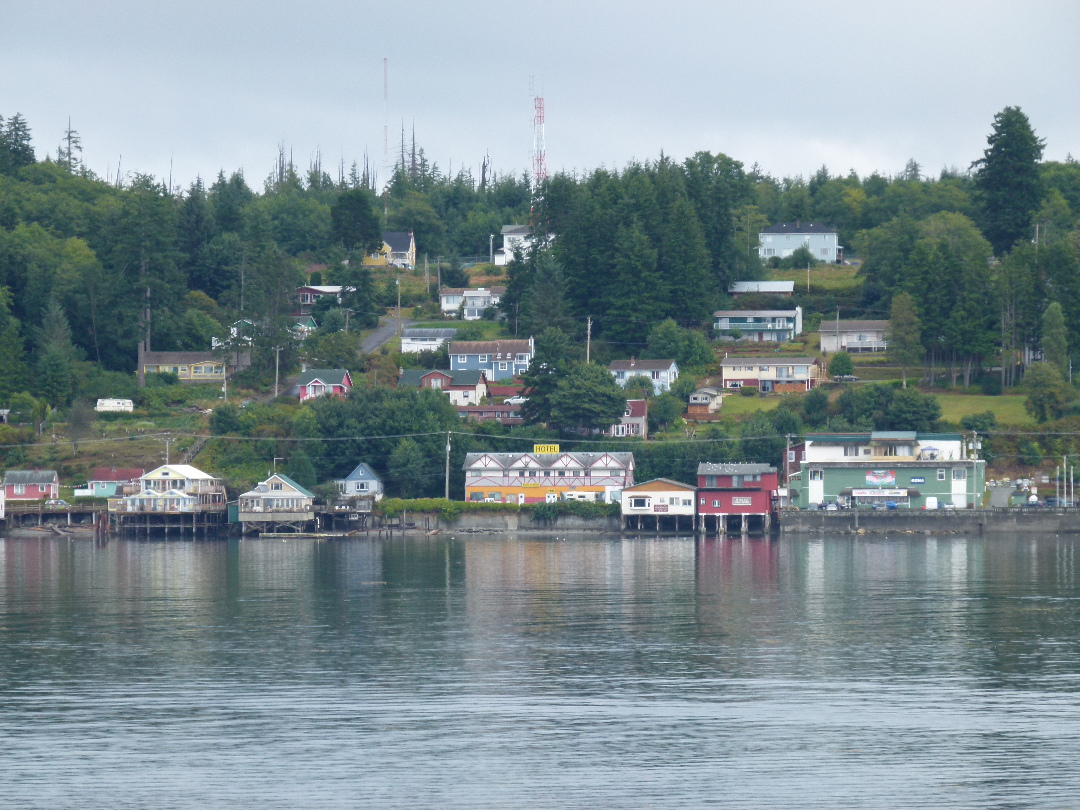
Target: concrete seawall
(940, 521)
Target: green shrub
(748, 391)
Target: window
(710, 480)
(462, 358)
(850, 450)
(483, 358)
(817, 475)
(639, 503)
(275, 487)
(716, 504)
(702, 501)
(791, 456)
(940, 475)
(435, 382)
(562, 473)
(959, 474)
(502, 366)
(656, 375)
(361, 486)
(20, 489)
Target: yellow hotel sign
(541, 449)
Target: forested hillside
(83, 261)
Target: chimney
(631, 361)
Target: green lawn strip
(737, 405)
(1008, 408)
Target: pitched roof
(505, 389)
(705, 468)
(652, 485)
(465, 291)
(462, 378)
(185, 470)
(854, 326)
(399, 241)
(637, 364)
(514, 230)
(775, 360)
(116, 473)
(637, 408)
(583, 460)
(361, 470)
(496, 347)
(301, 489)
(30, 477)
(762, 286)
(798, 227)
(327, 376)
(446, 334)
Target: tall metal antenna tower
(539, 155)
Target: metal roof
(30, 477)
(798, 228)
(706, 468)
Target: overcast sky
(217, 84)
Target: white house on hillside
(780, 241)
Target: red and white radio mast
(539, 156)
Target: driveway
(387, 329)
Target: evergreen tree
(544, 304)
(229, 198)
(301, 470)
(194, 231)
(1048, 395)
(355, 222)
(685, 266)
(13, 371)
(1054, 340)
(905, 330)
(69, 152)
(17, 138)
(1007, 178)
(587, 398)
(637, 297)
(407, 469)
(55, 357)
(555, 352)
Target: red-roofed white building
(634, 422)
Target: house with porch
(275, 503)
(736, 497)
(854, 336)
(660, 504)
(760, 325)
(704, 402)
(547, 475)
(783, 375)
(192, 367)
(633, 422)
(498, 359)
(466, 387)
(173, 488)
(31, 485)
(863, 469)
(662, 373)
(508, 415)
(324, 382)
(471, 303)
(107, 482)
(302, 326)
(361, 483)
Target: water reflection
(618, 672)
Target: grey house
(362, 482)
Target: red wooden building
(736, 497)
(31, 485)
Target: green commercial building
(912, 470)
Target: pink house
(31, 485)
(322, 382)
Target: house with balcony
(547, 475)
(662, 373)
(418, 340)
(854, 336)
(107, 482)
(360, 490)
(471, 303)
(781, 240)
(192, 367)
(660, 504)
(498, 359)
(873, 468)
(173, 488)
(736, 497)
(509, 415)
(760, 325)
(278, 502)
(782, 375)
(466, 387)
(307, 296)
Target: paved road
(387, 329)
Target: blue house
(498, 359)
(361, 482)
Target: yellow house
(187, 366)
(398, 250)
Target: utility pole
(427, 277)
(808, 275)
(588, 339)
(277, 366)
(438, 266)
(168, 440)
(447, 489)
(491, 248)
(397, 281)
(276, 460)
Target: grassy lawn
(1008, 408)
(736, 405)
(823, 278)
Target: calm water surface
(480, 673)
